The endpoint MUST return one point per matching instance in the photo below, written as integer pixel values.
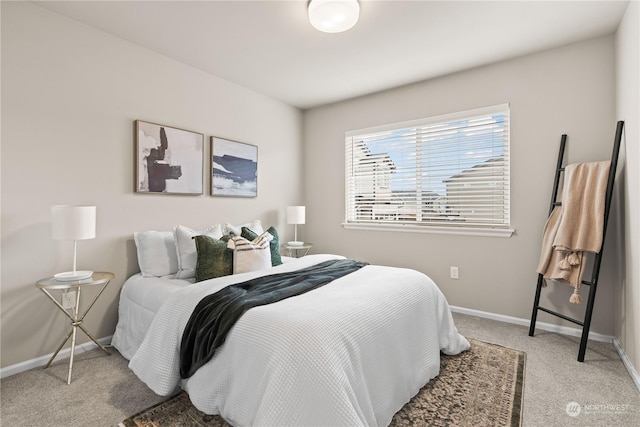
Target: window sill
(461, 231)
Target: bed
(350, 353)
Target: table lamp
(73, 223)
(295, 215)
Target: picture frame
(169, 160)
(234, 168)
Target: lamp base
(69, 276)
(295, 243)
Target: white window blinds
(445, 171)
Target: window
(440, 174)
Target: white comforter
(350, 353)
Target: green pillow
(214, 258)
(274, 245)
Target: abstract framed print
(169, 160)
(234, 168)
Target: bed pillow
(215, 259)
(251, 255)
(186, 248)
(274, 244)
(156, 251)
(255, 226)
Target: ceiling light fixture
(333, 16)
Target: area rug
(480, 387)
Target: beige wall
(627, 303)
(70, 95)
(567, 90)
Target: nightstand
(50, 284)
(294, 250)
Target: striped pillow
(251, 255)
(276, 259)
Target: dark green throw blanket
(215, 314)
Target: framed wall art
(234, 168)
(169, 160)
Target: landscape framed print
(168, 160)
(234, 168)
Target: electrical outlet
(69, 299)
(454, 272)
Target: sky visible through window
(432, 154)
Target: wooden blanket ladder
(593, 283)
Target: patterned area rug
(480, 387)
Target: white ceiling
(270, 47)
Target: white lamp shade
(333, 16)
(73, 222)
(295, 214)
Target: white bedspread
(140, 299)
(350, 353)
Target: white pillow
(186, 248)
(255, 226)
(251, 255)
(156, 253)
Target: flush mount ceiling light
(333, 16)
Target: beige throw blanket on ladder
(576, 226)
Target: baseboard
(564, 330)
(64, 353)
(627, 363)
(560, 330)
(42, 360)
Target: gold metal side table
(49, 284)
(293, 250)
